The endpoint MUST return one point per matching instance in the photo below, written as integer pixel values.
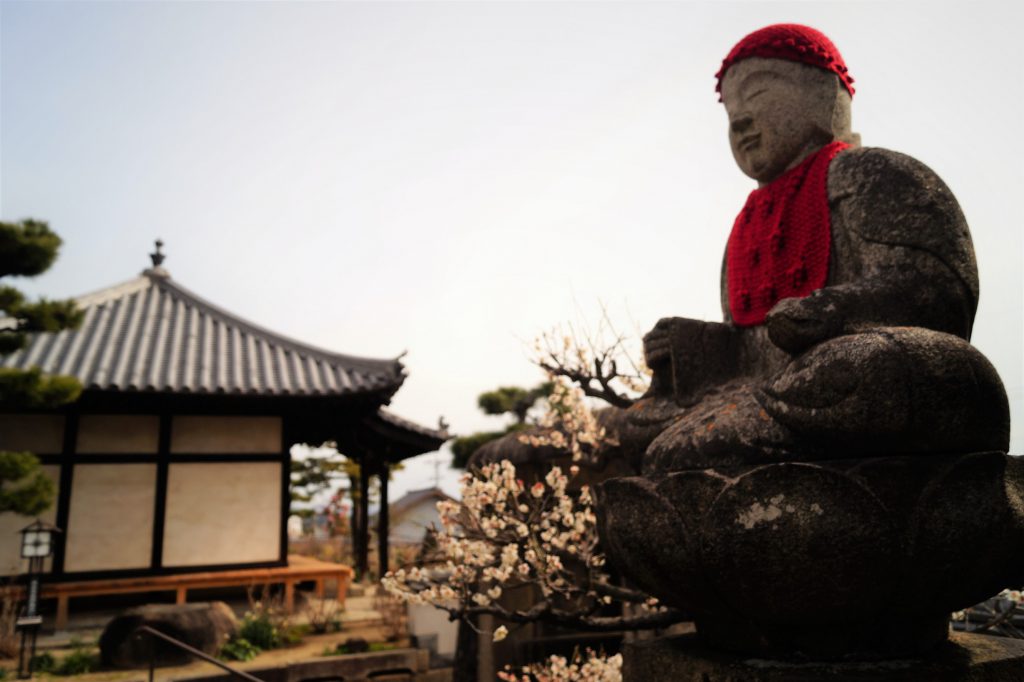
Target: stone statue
(824, 473)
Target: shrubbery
(263, 628)
(239, 649)
(260, 631)
(82, 659)
(43, 663)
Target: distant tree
(27, 249)
(312, 476)
(510, 400)
(317, 474)
(463, 447)
(513, 400)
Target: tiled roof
(150, 334)
(440, 433)
(414, 498)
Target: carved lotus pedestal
(841, 559)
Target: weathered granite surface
(834, 482)
(965, 658)
(901, 257)
(834, 558)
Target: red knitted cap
(791, 42)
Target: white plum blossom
(504, 534)
(569, 425)
(507, 533)
(592, 668)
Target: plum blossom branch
(598, 361)
(503, 536)
(997, 614)
(591, 667)
(569, 424)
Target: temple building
(175, 459)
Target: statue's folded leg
(728, 427)
(891, 390)
(897, 390)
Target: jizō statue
(862, 248)
(832, 455)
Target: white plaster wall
(10, 539)
(222, 435)
(117, 433)
(428, 620)
(413, 524)
(111, 517)
(42, 434)
(222, 513)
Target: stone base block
(964, 658)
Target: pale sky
(453, 179)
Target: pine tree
(511, 400)
(27, 249)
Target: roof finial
(157, 256)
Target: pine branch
(11, 341)
(48, 316)
(27, 248)
(24, 488)
(34, 390)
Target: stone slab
(965, 658)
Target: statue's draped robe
(833, 371)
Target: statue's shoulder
(887, 176)
(891, 198)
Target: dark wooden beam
(363, 509)
(383, 528)
(67, 470)
(287, 436)
(160, 499)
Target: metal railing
(145, 629)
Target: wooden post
(363, 541)
(62, 612)
(289, 596)
(342, 586)
(485, 648)
(383, 522)
(181, 595)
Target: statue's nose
(740, 123)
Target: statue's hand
(796, 324)
(657, 344)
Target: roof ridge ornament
(158, 257)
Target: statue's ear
(841, 118)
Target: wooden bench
(299, 569)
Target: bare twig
(593, 361)
(543, 611)
(621, 593)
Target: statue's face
(777, 110)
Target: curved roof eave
(152, 334)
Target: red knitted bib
(780, 242)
